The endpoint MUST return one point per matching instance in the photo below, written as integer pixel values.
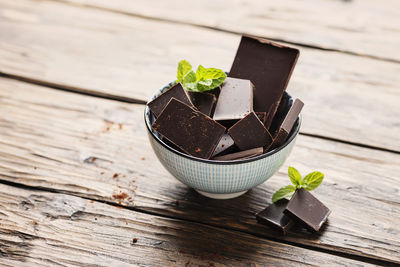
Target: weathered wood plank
(47, 229)
(76, 144)
(361, 27)
(85, 49)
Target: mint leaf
(183, 68)
(284, 192)
(294, 176)
(200, 72)
(312, 180)
(203, 80)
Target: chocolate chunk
(235, 100)
(223, 144)
(204, 102)
(250, 132)
(268, 66)
(287, 124)
(273, 215)
(307, 209)
(189, 129)
(158, 104)
(262, 116)
(283, 109)
(241, 154)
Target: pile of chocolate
(239, 119)
(303, 208)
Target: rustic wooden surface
(85, 141)
(62, 153)
(114, 59)
(356, 27)
(45, 228)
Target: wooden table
(75, 75)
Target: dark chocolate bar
(273, 216)
(235, 100)
(250, 132)
(241, 154)
(287, 124)
(159, 103)
(204, 102)
(189, 129)
(269, 66)
(307, 209)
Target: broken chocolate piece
(250, 132)
(268, 66)
(235, 100)
(241, 154)
(283, 108)
(307, 209)
(158, 104)
(273, 216)
(287, 124)
(190, 130)
(262, 116)
(204, 102)
(223, 144)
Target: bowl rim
(231, 162)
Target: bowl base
(221, 196)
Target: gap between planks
(364, 259)
(138, 101)
(148, 17)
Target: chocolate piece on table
(262, 116)
(268, 66)
(273, 215)
(223, 144)
(204, 102)
(250, 132)
(189, 129)
(280, 114)
(158, 104)
(307, 209)
(241, 154)
(235, 100)
(287, 124)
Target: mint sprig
(203, 79)
(309, 182)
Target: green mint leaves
(309, 182)
(201, 80)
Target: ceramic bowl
(219, 179)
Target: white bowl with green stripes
(218, 179)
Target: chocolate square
(204, 102)
(250, 133)
(158, 104)
(273, 216)
(235, 100)
(307, 209)
(268, 66)
(189, 129)
(287, 124)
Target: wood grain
(347, 97)
(98, 149)
(46, 229)
(361, 27)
